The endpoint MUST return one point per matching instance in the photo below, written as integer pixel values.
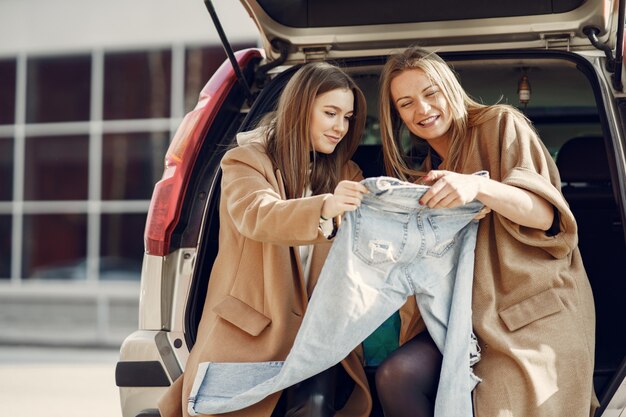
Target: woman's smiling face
(330, 119)
(421, 106)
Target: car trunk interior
(324, 13)
(566, 108)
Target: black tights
(319, 396)
(407, 380)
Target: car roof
(324, 29)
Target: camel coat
(533, 309)
(257, 293)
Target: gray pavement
(58, 382)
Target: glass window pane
(200, 64)
(5, 246)
(131, 164)
(56, 168)
(6, 169)
(58, 89)
(137, 85)
(43, 257)
(7, 91)
(121, 246)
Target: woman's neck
(440, 146)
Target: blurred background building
(90, 94)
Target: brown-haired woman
(533, 309)
(282, 189)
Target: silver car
(560, 61)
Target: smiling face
(330, 118)
(422, 107)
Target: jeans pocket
(379, 236)
(444, 229)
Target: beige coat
(533, 309)
(257, 294)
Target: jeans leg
(447, 313)
(350, 301)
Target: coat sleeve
(527, 164)
(252, 194)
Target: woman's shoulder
(252, 153)
(258, 135)
(352, 171)
(247, 151)
(496, 115)
(251, 142)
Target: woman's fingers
(356, 188)
(438, 190)
(482, 213)
(450, 189)
(347, 197)
(351, 189)
(447, 201)
(434, 175)
(350, 201)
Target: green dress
(383, 341)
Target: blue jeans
(387, 250)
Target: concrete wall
(68, 314)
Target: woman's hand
(347, 197)
(523, 207)
(453, 189)
(482, 213)
(450, 189)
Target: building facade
(90, 96)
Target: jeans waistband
(395, 194)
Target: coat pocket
(242, 315)
(534, 308)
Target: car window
(562, 103)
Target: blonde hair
(289, 144)
(464, 110)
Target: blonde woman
(282, 189)
(533, 310)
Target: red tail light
(166, 202)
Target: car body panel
(174, 276)
(165, 207)
(140, 346)
(552, 30)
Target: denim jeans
(385, 251)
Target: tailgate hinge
(315, 53)
(558, 41)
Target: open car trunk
(570, 52)
(564, 48)
(333, 29)
(568, 108)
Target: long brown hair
(289, 144)
(465, 111)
